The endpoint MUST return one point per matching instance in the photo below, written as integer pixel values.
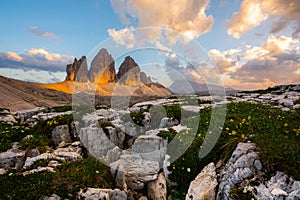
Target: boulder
(150, 147)
(167, 122)
(157, 189)
(12, 158)
(113, 155)
(204, 185)
(61, 134)
(95, 141)
(101, 194)
(243, 164)
(133, 171)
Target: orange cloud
(253, 12)
(14, 56)
(187, 17)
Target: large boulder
(102, 68)
(61, 134)
(95, 141)
(204, 185)
(133, 171)
(150, 147)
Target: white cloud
(123, 37)
(35, 59)
(282, 13)
(186, 17)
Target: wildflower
(227, 129)
(243, 121)
(233, 132)
(243, 136)
(188, 169)
(249, 117)
(231, 120)
(285, 124)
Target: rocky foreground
(128, 141)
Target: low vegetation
(66, 182)
(275, 132)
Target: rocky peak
(102, 68)
(130, 73)
(78, 70)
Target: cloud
(41, 33)
(277, 61)
(282, 14)
(35, 59)
(14, 56)
(123, 37)
(226, 60)
(187, 17)
(33, 75)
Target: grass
(66, 182)
(61, 108)
(276, 133)
(41, 133)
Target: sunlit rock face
(102, 68)
(129, 72)
(78, 71)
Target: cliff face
(102, 68)
(103, 71)
(78, 71)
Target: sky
(252, 43)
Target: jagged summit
(102, 68)
(103, 71)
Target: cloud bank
(38, 59)
(187, 17)
(277, 61)
(283, 14)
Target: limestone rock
(113, 155)
(204, 185)
(243, 163)
(102, 68)
(52, 197)
(78, 71)
(95, 141)
(150, 147)
(129, 72)
(168, 122)
(12, 158)
(157, 189)
(61, 134)
(101, 194)
(133, 171)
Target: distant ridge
(189, 87)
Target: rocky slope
(128, 141)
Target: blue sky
(248, 40)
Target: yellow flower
(231, 120)
(249, 117)
(243, 136)
(285, 124)
(227, 129)
(233, 132)
(244, 120)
